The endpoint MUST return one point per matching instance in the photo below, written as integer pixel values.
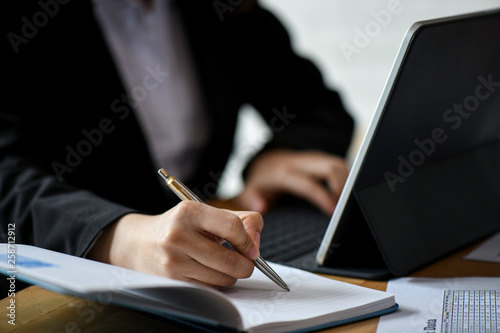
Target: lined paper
(260, 301)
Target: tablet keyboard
(292, 231)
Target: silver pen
(185, 193)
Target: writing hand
(183, 244)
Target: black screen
(430, 181)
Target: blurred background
(354, 44)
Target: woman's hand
(184, 244)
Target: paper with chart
(442, 305)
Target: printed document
(442, 305)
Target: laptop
(426, 179)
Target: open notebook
(254, 305)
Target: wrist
(114, 243)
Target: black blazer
(72, 155)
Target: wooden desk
(39, 310)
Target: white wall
(328, 33)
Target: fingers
(303, 174)
(308, 188)
(253, 224)
(207, 263)
(189, 254)
(329, 168)
(310, 172)
(180, 265)
(228, 225)
(253, 199)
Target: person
(103, 93)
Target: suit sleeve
(42, 209)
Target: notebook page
(261, 301)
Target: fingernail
(254, 253)
(257, 238)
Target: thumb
(253, 224)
